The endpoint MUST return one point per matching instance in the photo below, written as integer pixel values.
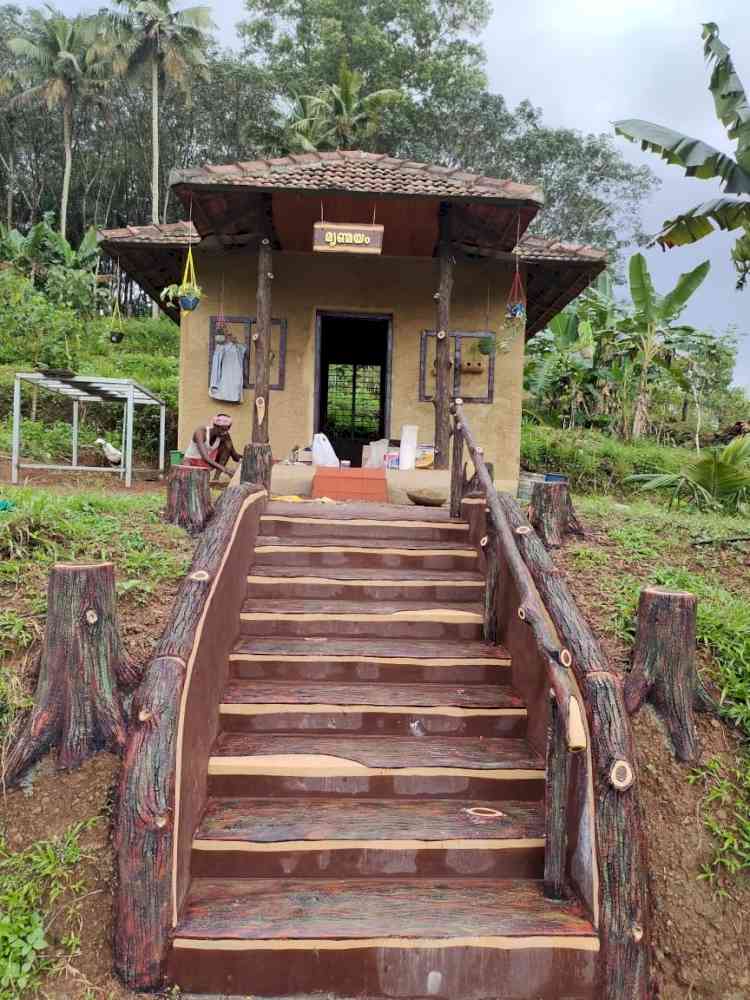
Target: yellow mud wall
(401, 287)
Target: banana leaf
(730, 99)
(696, 157)
(691, 226)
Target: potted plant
(187, 294)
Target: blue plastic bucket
(555, 477)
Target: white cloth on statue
(228, 372)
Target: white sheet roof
(91, 388)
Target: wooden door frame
(320, 315)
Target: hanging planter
(486, 346)
(188, 293)
(116, 332)
(515, 309)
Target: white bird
(113, 455)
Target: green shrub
(594, 462)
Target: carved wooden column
(256, 462)
(443, 349)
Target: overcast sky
(587, 63)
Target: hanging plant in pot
(188, 293)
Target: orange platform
(351, 484)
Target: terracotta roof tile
(173, 233)
(353, 170)
(541, 248)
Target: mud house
(328, 281)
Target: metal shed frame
(88, 389)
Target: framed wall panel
(242, 328)
(465, 384)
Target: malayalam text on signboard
(347, 237)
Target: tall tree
(61, 59)
(167, 46)
(698, 159)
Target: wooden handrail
(531, 610)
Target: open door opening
(353, 381)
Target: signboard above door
(347, 237)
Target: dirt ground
(701, 949)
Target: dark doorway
(352, 381)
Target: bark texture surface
(189, 502)
(551, 514)
(443, 348)
(665, 668)
(83, 662)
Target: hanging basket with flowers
(116, 332)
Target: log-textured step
(269, 838)
(361, 618)
(285, 582)
(300, 526)
(388, 660)
(400, 938)
(332, 550)
(372, 708)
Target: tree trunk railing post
(457, 460)
(256, 460)
(443, 342)
(490, 629)
(665, 668)
(555, 805)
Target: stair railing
(594, 825)
(567, 731)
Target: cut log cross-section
(189, 499)
(77, 705)
(664, 665)
(551, 514)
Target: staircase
(375, 820)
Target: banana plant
(699, 159)
(652, 324)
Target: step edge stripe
(295, 708)
(438, 617)
(585, 941)
(362, 549)
(335, 767)
(332, 581)
(406, 661)
(366, 522)
(458, 844)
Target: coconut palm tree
(169, 47)
(340, 116)
(61, 61)
(698, 159)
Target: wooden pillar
(664, 665)
(256, 461)
(443, 350)
(457, 460)
(556, 805)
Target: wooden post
(256, 461)
(189, 498)
(457, 458)
(551, 513)
(556, 805)
(664, 665)
(490, 631)
(473, 484)
(443, 349)
(77, 705)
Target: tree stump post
(665, 668)
(491, 628)
(556, 794)
(256, 465)
(77, 705)
(551, 514)
(189, 502)
(472, 485)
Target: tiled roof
(165, 234)
(181, 233)
(355, 171)
(539, 248)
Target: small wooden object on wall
(665, 668)
(551, 514)
(189, 498)
(82, 666)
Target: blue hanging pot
(487, 346)
(115, 336)
(189, 302)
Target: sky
(587, 63)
